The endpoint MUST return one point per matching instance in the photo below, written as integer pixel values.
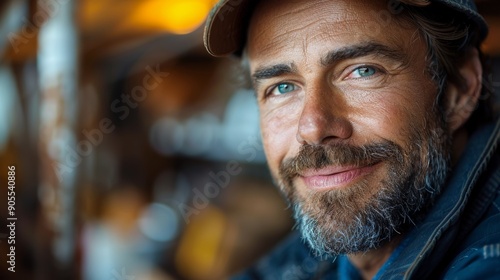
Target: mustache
(319, 156)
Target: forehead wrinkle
(307, 8)
(271, 11)
(342, 27)
(322, 19)
(299, 34)
(327, 28)
(279, 41)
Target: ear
(461, 100)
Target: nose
(323, 118)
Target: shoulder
(480, 260)
(479, 254)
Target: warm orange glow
(176, 16)
(115, 18)
(199, 252)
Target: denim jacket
(458, 239)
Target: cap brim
(225, 29)
(224, 34)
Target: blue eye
(364, 71)
(283, 88)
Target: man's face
(348, 116)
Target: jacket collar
(443, 217)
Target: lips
(332, 177)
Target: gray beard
(350, 221)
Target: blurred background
(136, 154)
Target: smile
(335, 177)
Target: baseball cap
(226, 26)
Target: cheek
(279, 129)
(389, 122)
(393, 114)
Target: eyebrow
(273, 71)
(333, 57)
(364, 49)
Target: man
(376, 128)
